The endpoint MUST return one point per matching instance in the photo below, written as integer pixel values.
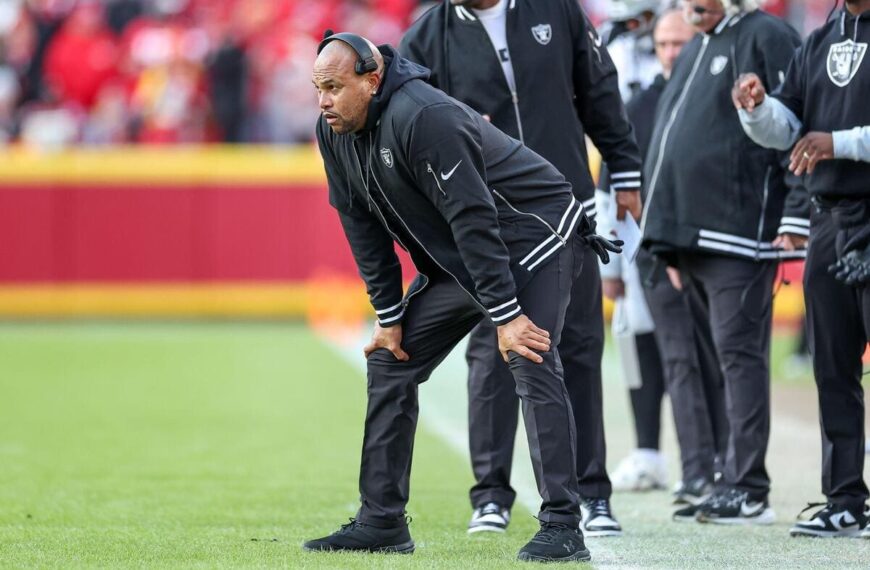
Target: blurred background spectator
(192, 71)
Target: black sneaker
(730, 506)
(357, 536)
(598, 519)
(830, 521)
(555, 542)
(491, 517)
(694, 492)
(688, 513)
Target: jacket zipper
(763, 212)
(516, 101)
(667, 131)
(432, 172)
(549, 227)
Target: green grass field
(227, 445)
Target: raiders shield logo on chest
(543, 33)
(387, 157)
(844, 60)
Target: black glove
(853, 268)
(599, 244)
(852, 242)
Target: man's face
(671, 34)
(343, 95)
(703, 14)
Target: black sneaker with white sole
(731, 506)
(831, 521)
(555, 542)
(491, 517)
(360, 537)
(598, 519)
(694, 492)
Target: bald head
(343, 95)
(671, 33)
(342, 53)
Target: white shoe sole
(812, 533)
(767, 517)
(600, 533)
(486, 528)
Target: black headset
(365, 58)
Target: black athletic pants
(838, 321)
(646, 399)
(492, 401)
(692, 379)
(435, 320)
(737, 295)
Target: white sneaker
(643, 470)
(598, 519)
(491, 517)
(830, 521)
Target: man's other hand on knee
(523, 337)
(389, 338)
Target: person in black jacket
(539, 72)
(714, 202)
(678, 355)
(821, 112)
(490, 226)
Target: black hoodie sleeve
(371, 244)
(446, 158)
(599, 105)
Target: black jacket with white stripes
(461, 196)
(565, 83)
(709, 187)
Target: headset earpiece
(365, 58)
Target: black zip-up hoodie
(565, 83)
(709, 187)
(430, 173)
(828, 88)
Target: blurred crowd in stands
(191, 71)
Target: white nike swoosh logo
(447, 176)
(751, 509)
(595, 39)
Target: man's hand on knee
(389, 338)
(522, 336)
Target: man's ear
(374, 81)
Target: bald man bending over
(490, 226)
